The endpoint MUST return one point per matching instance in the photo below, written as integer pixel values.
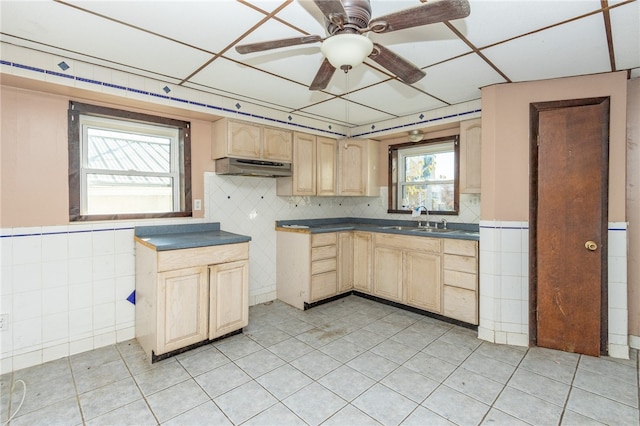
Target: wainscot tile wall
(65, 288)
(504, 285)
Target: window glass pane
(113, 150)
(429, 167)
(113, 194)
(434, 197)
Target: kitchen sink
(399, 228)
(435, 230)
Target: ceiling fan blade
(323, 76)
(333, 10)
(428, 13)
(276, 44)
(403, 69)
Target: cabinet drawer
(461, 304)
(461, 279)
(408, 243)
(324, 252)
(462, 247)
(187, 258)
(326, 265)
(324, 285)
(453, 262)
(318, 240)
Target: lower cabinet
(362, 261)
(228, 297)
(407, 270)
(187, 296)
(438, 275)
(461, 280)
(182, 308)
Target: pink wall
(633, 204)
(34, 160)
(505, 140)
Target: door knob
(591, 245)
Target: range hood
(259, 168)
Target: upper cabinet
(470, 151)
(314, 167)
(358, 167)
(247, 140)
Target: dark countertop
(176, 237)
(460, 231)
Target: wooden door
(345, 261)
(304, 164)
(326, 164)
(422, 280)
(352, 167)
(362, 253)
(182, 308)
(277, 144)
(228, 297)
(569, 225)
(387, 273)
(244, 139)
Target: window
(424, 175)
(125, 165)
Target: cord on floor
(24, 394)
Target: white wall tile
(80, 244)
(27, 305)
(55, 273)
(27, 277)
(55, 300)
(27, 250)
(103, 243)
(80, 270)
(54, 247)
(55, 327)
(27, 333)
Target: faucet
(426, 217)
(444, 223)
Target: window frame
(78, 113)
(394, 184)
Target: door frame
(534, 110)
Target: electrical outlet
(4, 322)
(197, 204)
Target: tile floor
(349, 362)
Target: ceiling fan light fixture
(346, 50)
(416, 135)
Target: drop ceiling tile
(197, 23)
(491, 21)
(54, 24)
(625, 29)
(459, 80)
(234, 78)
(338, 110)
(575, 48)
(395, 98)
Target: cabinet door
(352, 154)
(470, 152)
(182, 308)
(422, 280)
(277, 144)
(229, 297)
(326, 163)
(304, 164)
(345, 261)
(387, 275)
(324, 285)
(362, 246)
(244, 140)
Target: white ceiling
(191, 43)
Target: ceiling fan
(346, 46)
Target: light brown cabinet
(187, 296)
(470, 154)
(363, 261)
(346, 264)
(228, 297)
(241, 139)
(437, 275)
(358, 167)
(314, 167)
(407, 270)
(461, 280)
